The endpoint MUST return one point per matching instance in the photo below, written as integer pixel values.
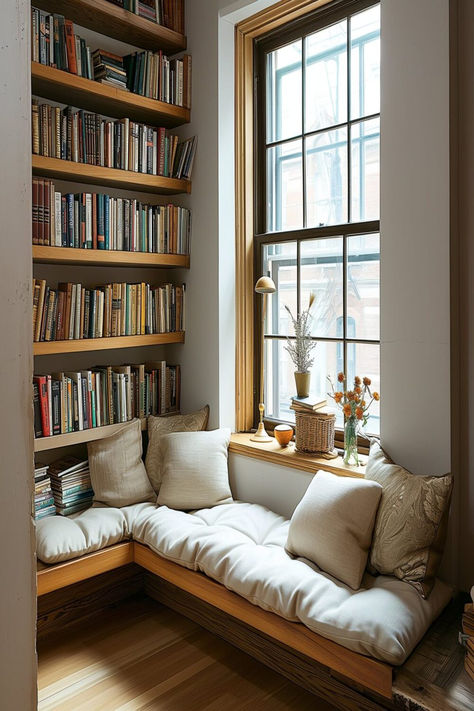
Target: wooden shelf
(70, 89)
(102, 344)
(43, 444)
(111, 20)
(101, 257)
(108, 177)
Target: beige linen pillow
(333, 523)
(118, 475)
(194, 468)
(159, 426)
(411, 523)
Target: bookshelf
(122, 25)
(104, 258)
(65, 88)
(107, 177)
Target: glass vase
(351, 457)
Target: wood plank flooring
(143, 656)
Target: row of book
(105, 395)
(64, 487)
(98, 221)
(73, 311)
(158, 77)
(84, 137)
(43, 495)
(54, 43)
(169, 13)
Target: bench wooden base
(348, 680)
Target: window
(317, 119)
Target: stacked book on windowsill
(313, 404)
(71, 485)
(468, 630)
(44, 501)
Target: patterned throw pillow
(159, 426)
(410, 528)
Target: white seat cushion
(242, 546)
(60, 538)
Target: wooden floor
(141, 655)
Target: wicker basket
(314, 433)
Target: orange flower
(357, 380)
(341, 377)
(350, 395)
(359, 413)
(376, 396)
(362, 403)
(338, 397)
(358, 389)
(367, 381)
(347, 409)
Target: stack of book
(44, 501)
(106, 395)
(109, 69)
(54, 44)
(169, 13)
(468, 631)
(99, 221)
(307, 405)
(73, 312)
(84, 137)
(158, 77)
(71, 485)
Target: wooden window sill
(241, 443)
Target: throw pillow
(411, 523)
(194, 469)
(118, 475)
(333, 523)
(159, 426)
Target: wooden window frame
(249, 237)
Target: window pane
(363, 287)
(326, 178)
(365, 63)
(279, 262)
(284, 92)
(326, 77)
(328, 361)
(279, 381)
(322, 274)
(284, 187)
(364, 360)
(365, 170)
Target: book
(312, 402)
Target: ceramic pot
(283, 434)
(302, 381)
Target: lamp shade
(265, 285)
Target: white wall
(17, 590)
(415, 231)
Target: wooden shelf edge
(110, 177)
(113, 21)
(101, 344)
(240, 443)
(43, 254)
(44, 444)
(69, 88)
